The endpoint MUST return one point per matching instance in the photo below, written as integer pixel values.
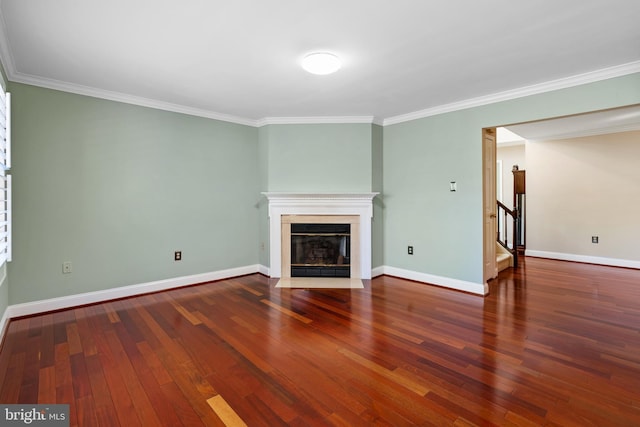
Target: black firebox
(320, 250)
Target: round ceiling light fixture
(321, 63)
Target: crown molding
(316, 120)
(8, 63)
(564, 83)
(125, 98)
(177, 108)
(592, 77)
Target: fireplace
(320, 250)
(287, 210)
(321, 236)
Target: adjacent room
(267, 213)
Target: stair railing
(507, 216)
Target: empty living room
(306, 213)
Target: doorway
(569, 129)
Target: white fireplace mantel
(280, 204)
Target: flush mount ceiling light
(321, 63)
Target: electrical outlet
(410, 250)
(66, 267)
(594, 239)
(177, 256)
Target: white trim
(42, 306)
(378, 271)
(360, 204)
(499, 183)
(315, 120)
(9, 203)
(283, 199)
(613, 262)
(263, 269)
(127, 99)
(572, 81)
(446, 282)
(564, 83)
(5, 316)
(4, 322)
(7, 130)
(183, 109)
(8, 62)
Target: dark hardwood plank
(139, 398)
(31, 369)
(64, 381)
(46, 347)
(13, 379)
(106, 412)
(181, 405)
(47, 385)
(86, 409)
(116, 383)
(554, 344)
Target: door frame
(489, 148)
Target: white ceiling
(597, 123)
(239, 60)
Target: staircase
(510, 224)
(504, 258)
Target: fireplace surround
(355, 209)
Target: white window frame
(5, 178)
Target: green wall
(263, 224)
(421, 157)
(116, 189)
(321, 158)
(377, 186)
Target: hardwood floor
(555, 343)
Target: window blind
(5, 177)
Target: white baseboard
(42, 306)
(378, 271)
(263, 269)
(446, 282)
(613, 262)
(3, 323)
(5, 317)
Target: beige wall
(510, 155)
(581, 187)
